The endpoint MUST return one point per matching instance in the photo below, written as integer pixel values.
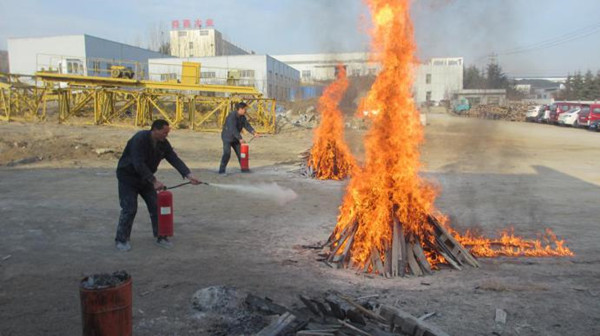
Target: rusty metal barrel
(106, 310)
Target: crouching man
(135, 173)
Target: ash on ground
(224, 310)
(104, 280)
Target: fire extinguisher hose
(182, 184)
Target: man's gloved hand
(193, 179)
(158, 185)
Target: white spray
(268, 191)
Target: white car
(532, 113)
(570, 117)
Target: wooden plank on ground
(378, 265)
(277, 326)
(408, 324)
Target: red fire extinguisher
(245, 157)
(165, 213)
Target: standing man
(135, 173)
(236, 120)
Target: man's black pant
(128, 195)
(227, 153)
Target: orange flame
(548, 245)
(330, 157)
(389, 184)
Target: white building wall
(201, 43)
(438, 79)
(28, 55)
(272, 78)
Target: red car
(593, 115)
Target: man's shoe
(223, 173)
(123, 246)
(164, 242)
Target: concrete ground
(58, 218)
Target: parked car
(532, 113)
(570, 117)
(560, 108)
(594, 116)
(595, 126)
(544, 115)
(584, 116)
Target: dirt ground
(59, 209)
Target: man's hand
(158, 185)
(193, 179)
(256, 135)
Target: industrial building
(437, 79)
(201, 42)
(4, 61)
(76, 54)
(271, 77)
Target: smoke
(267, 191)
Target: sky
(529, 37)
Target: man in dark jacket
(135, 173)
(235, 122)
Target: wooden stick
(402, 254)
(353, 328)
(276, 327)
(412, 262)
(362, 309)
(420, 256)
(450, 260)
(395, 248)
(462, 251)
(377, 261)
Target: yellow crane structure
(108, 100)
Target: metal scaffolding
(105, 100)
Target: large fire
(386, 201)
(330, 157)
(389, 185)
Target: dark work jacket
(141, 158)
(233, 126)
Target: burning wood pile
(406, 254)
(329, 158)
(338, 314)
(386, 224)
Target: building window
(372, 71)
(439, 62)
(247, 73)
(355, 72)
(168, 76)
(305, 73)
(428, 79)
(181, 33)
(208, 74)
(428, 96)
(96, 66)
(203, 32)
(191, 45)
(453, 62)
